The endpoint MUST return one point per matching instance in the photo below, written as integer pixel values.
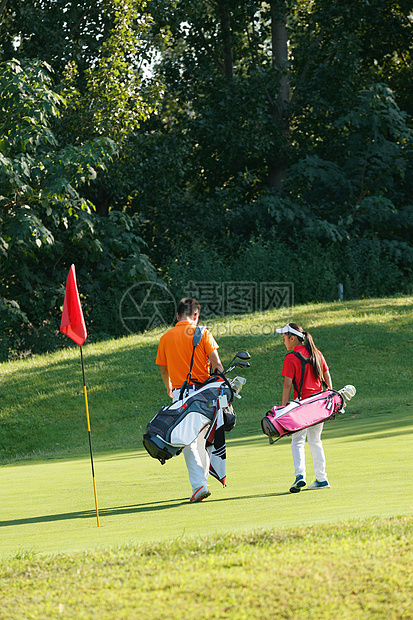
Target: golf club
(242, 355)
(239, 364)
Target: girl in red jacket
(303, 354)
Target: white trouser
(176, 392)
(197, 458)
(313, 434)
(197, 461)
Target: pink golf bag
(300, 414)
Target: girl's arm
(286, 390)
(327, 379)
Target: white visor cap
(290, 330)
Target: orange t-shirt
(175, 351)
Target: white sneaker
(318, 485)
(200, 494)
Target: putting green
(48, 506)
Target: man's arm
(286, 390)
(215, 361)
(166, 379)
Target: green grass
(368, 343)
(357, 571)
(360, 570)
(48, 506)
(314, 554)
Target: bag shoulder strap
(198, 334)
(304, 361)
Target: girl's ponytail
(315, 358)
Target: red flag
(72, 323)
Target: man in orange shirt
(174, 359)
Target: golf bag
(179, 424)
(300, 414)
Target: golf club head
(242, 356)
(242, 364)
(348, 391)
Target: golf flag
(72, 323)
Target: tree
(267, 142)
(56, 31)
(98, 53)
(265, 120)
(112, 99)
(280, 107)
(45, 221)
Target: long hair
(315, 359)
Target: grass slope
(47, 494)
(368, 343)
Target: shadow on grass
(124, 510)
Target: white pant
(197, 458)
(313, 434)
(197, 461)
(176, 392)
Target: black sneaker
(298, 484)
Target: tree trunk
(279, 37)
(103, 201)
(2, 6)
(225, 19)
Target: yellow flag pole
(90, 438)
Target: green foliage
(57, 32)
(204, 137)
(364, 188)
(39, 180)
(115, 263)
(11, 319)
(46, 223)
(109, 97)
(351, 144)
(366, 267)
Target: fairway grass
(48, 507)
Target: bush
(365, 267)
(11, 319)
